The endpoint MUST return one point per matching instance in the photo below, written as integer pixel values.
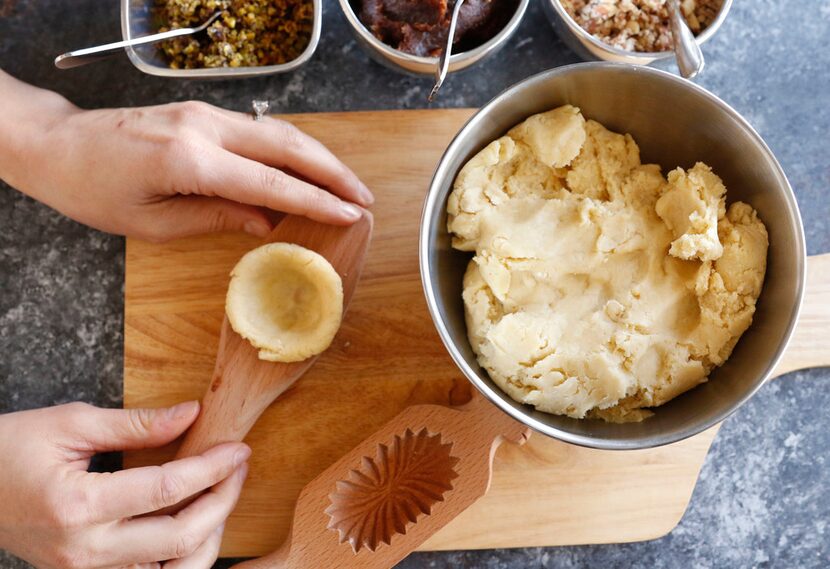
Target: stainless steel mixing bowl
(676, 124)
(416, 65)
(590, 47)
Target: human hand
(53, 513)
(172, 170)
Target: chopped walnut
(638, 25)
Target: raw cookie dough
(285, 300)
(599, 288)
(691, 208)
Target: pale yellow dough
(599, 288)
(286, 300)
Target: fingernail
(241, 456)
(182, 410)
(351, 211)
(242, 471)
(366, 195)
(257, 228)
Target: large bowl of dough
(612, 255)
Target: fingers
(282, 145)
(153, 565)
(137, 491)
(205, 555)
(241, 179)
(93, 429)
(157, 538)
(193, 215)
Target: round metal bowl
(675, 123)
(591, 48)
(413, 64)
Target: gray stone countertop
(762, 499)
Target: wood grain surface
(394, 490)
(386, 357)
(810, 343)
(242, 385)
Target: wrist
(31, 116)
(6, 435)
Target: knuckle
(179, 153)
(343, 173)
(290, 136)
(190, 112)
(169, 489)
(64, 508)
(56, 518)
(216, 219)
(185, 544)
(275, 182)
(67, 509)
(324, 200)
(140, 421)
(76, 408)
(282, 190)
(80, 505)
(71, 416)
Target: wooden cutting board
(387, 356)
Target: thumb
(104, 430)
(182, 216)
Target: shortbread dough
(599, 288)
(286, 300)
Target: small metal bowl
(675, 123)
(591, 48)
(138, 19)
(413, 64)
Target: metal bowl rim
(585, 36)
(395, 55)
(495, 397)
(224, 72)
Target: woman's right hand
(55, 514)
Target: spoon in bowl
(686, 50)
(444, 60)
(88, 55)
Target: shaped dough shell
(286, 301)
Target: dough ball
(554, 137)
(286, 300)
(691, 207)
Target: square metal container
(138, 19)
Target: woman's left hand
(168, 171)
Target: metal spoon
(689, 57)
(90, 54)
(444, 60)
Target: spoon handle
(444, 60)
(686, 49)
(80, 57)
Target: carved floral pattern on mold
(383, 495)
